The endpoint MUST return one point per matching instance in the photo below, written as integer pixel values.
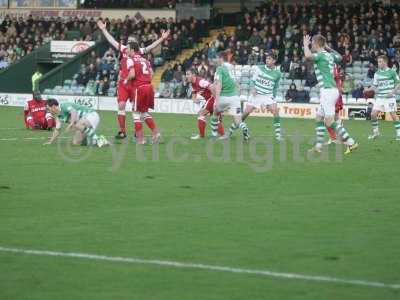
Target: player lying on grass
(264, 86)
(201, 86)
(82, 119)
(123, 93)
(386, 86)
(36, 115)
(324, 59)
(226, 98)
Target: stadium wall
(185, 106)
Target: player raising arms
(226, 98)
(201, 86)
(82, 119)
(122, 90)
(324, 59)
(139, 78)
(386, 86)
(264, 86)
(36, 115)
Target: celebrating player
(324, 59)
(386, 86)
(139, 78)
(122, 91)
(226, 98)
(82, 119)
(36, 115)
(201, 86)
(264, 86)
(338, 105)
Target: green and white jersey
(385, 81)
(266, 80)
(226, 76)
(67, 107)
(323, 66)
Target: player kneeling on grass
(226, 98)
(324, 59)
(82, 119)
(264, 86)
(36, 115)
(386, 85)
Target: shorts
(93, 118)
(209, 105)
(386, 105)
(124, 92)
(143, 98)
(328, 99)
(258, 100)
(231, 104)
(43, 123)
(339, 104)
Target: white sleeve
(129, 63)
(204, 83)
(375, 80)
(58, 123)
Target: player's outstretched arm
(53, 137)
(216, 88)
(107, 35)
(306, 44)
(164, 36)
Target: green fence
(68, 69)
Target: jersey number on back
(145, 69)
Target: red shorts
(209, 105)
(124, 92)
(42, 123)
(143, 97)
(339, 104)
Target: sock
(90, 135)
(344, 135)
(277, 125)
(221, 129)
(232, 128)
(138, 127)
(214, 126)
(375, 126)
(29, 123)
(397, 127)
(332, 133)
(245, 129)
(201, 124)
(148, 119)
(121, 121)
(320, 133)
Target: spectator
(253, 57)
(107, 65)
(285, 66)
(3, 62)
(255, 39)
(83, 77)
(212, 52)
(302, 96)
(178, 74)
(291, 93)
(358, 92)
(371, 71)
(347, 59)
(167, 91)
(35, 80)
(168, 74)
(92, 72)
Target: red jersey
(125, 65)
(336, 75)
(201, 86)
(36, 109)
(143, 71)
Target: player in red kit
(36, 115)
(140, 77)
(338, 106)
(201, 86)
(124, 53)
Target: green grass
(337, 218)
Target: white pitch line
(175, 264)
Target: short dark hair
(193, 71)
(52, 102)
(134, 46)
(223, 55)
(384, 57)
(271, 54)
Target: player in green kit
(82, 119)
(386, 86)
(324, 59)
(226, 98)
(264, 86)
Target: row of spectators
(146, 4)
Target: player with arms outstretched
(36, 115)
(82, 119)
(226, 98)
(122, 90)
(264, 86)
(324, 59)
(386, 86)
(201, 86)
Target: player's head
(382, 62)
(270, 59)
(133, 45)
(318, 42)
(222, 57)
(53, 106)
(191, 75)
(37, 96)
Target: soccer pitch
(198, 220)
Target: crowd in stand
(146, 4)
